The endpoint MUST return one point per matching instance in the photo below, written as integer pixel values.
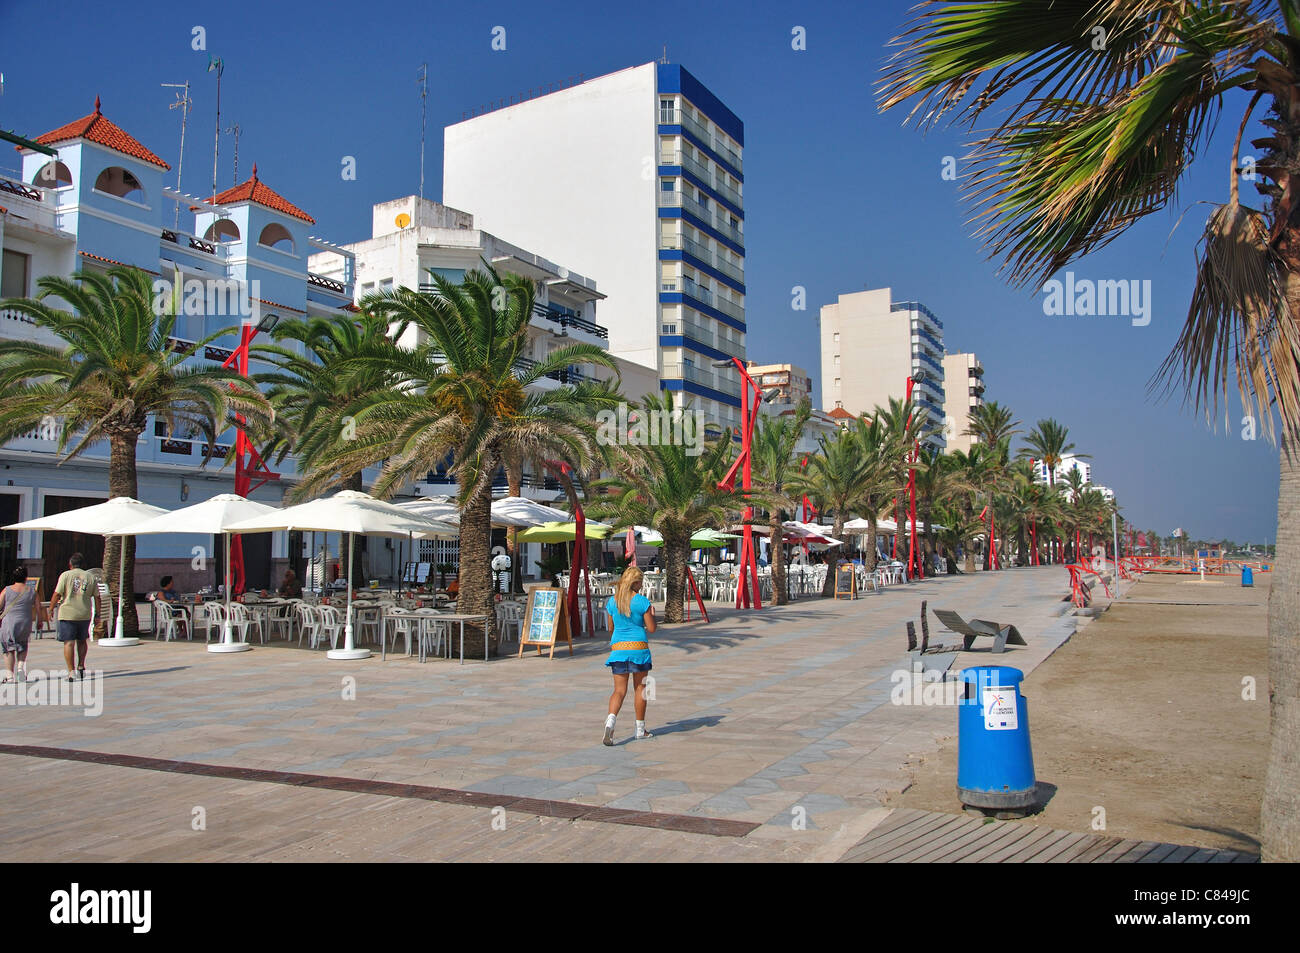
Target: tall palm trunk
(677, 551)
(871, 540)
(1280, 811)
(837, 531)
(776, 550)
(475, 574)
(122, 481)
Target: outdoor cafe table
(462, 618)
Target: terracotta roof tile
(98, 129)
(841, 414)
(114, 261)
(259, 193)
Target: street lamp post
(915, 570)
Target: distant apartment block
(785, 383)
(871, 345)
(635, 177)
(963, 387)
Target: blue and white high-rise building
(636, 177)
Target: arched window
(52, 175)
(276, 235)
(222, 230)
(116, 180)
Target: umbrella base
(348, 653)
(118, 642)
(226, 647)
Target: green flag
(214, 63)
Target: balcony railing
(730, 309)
(329, 284)
(568, 375)
(728, 193)
(697, 375)
(198, 244)
(566, 320)
(19, 189)
(13, 315)
(728, 269)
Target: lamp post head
(268, 322)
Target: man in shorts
(74, 597)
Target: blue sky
(837, 196)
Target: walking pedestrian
(631, 619)
(19, 609)
(76, 591)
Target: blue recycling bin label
(1000, 709)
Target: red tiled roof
(841, 414)
(114, 261)
(97, 129)
(262, 194)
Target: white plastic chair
(308, 623)
(169, 622)
(510, 616)
(242, 620)
(330, 627)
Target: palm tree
(337, 362)
(991, 423)
(1047, 443)
(883, 471)
(670, 489)
(903, 428)
(772, 465)
(117, 366)
(462, 394)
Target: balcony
(728, 193)
(28, 204)
(9, 314)
(731, 309)
(566, 320)
(329, 284)
(697, 375)
(731, 231)
(697, 168)
(569, 375)
(185, 240)
(730, 270)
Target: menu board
(546, 621)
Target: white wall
(572, 174)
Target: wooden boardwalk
(919, 837)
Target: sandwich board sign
(846, 581)
(546, 621)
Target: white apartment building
(636, 177)
(961, 401)
(1068, 462)
(871, 345)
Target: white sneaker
(642, 733)
(609, 735)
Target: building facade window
(15, 269)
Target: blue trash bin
(995, 763)
(1247, 577)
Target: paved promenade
(780, 720)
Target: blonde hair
(628, 583)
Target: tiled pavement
(781, 718)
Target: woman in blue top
(631, 619)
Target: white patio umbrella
(520, 511)
(348, 512)
(102, 519)
(210, 517)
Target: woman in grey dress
(20, 608)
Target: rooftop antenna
(665, 59)
(184, 104)
(233, 129)
(424, 96)
(216, 65)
